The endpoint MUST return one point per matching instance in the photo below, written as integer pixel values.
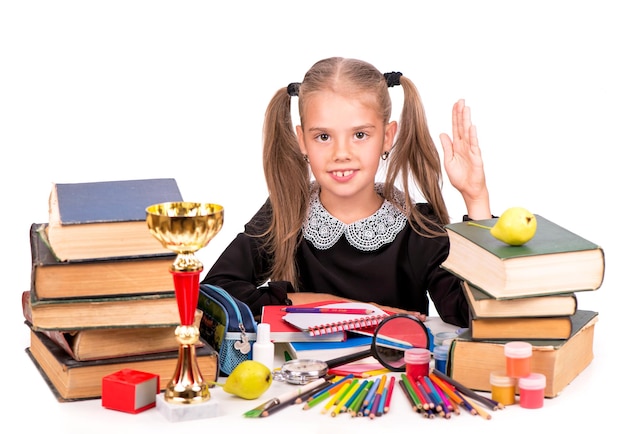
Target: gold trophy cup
(184, 228)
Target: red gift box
(130, 391)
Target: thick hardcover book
(282, 331)
(471, 361)
(126, 275)
(522, 328)
(106, 342)
(73, 380)
(482, 305)
(106, 219)
(554, 261)
(84, 313)
(319, 324)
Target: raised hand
(463, 162)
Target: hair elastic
(393, 78)
(293, 89)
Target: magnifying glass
(392, 337)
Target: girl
(342, 235)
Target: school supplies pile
(433, 396)
(100, 299)
(525, 293)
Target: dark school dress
(380, 259)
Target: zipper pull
(243, 346)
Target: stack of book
(101, 295)
(525, 293)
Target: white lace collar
(369, 234)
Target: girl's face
(344, 139)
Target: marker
(327, 310)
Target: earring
(306, 157)
(385, 155)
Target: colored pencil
(354, 395)
(428, 385)
(420, 394)
(446, 401)
(344, 398)
(387, 406)
(487, 402)
(381, 403)
(371, 411)
(412, 393)
(325, 393)
(335, 397)
(369, 397)
(289, 398)
(412, 402)
(356, 405)
(305, 396)
(481, 411)
(294, 309)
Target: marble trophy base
(183, 412)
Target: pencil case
(227, 325)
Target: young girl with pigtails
(329, 229)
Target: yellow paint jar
(502, 388)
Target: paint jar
(518, 355)
(417, 362)
(440, 354)
(502, 388)
(531, 390)
(444, 338)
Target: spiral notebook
(319, 324)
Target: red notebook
(282, 331)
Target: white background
(111, 90)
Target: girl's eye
(360, 135)
(323, 137)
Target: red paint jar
(417, 362)
(531, 390)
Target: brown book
(125, 275)
(521, 328)
(554, 261)
(106, 219)
(471, 361)
(482, 305)
(106, 343)
(73, 380)
(145, 310)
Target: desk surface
(585, 402)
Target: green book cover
(549, 238)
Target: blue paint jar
(440, 354)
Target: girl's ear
(390, 134)
(300, 135)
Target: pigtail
(288, 183)
(415, 160)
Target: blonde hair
(413, 161)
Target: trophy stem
(186, 287)
(187, 385)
